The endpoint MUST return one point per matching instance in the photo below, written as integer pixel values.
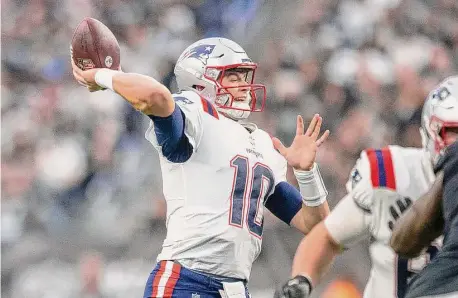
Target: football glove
(297, 287)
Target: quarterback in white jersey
(209, 222)
(382, 185)
(218, 171)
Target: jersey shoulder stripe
(381, 168)
(209, 108)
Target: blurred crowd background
(82, 213)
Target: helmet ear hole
(198, 87)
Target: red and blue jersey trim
(208, 108)
(382, 170)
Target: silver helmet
(440, 113)
(201, 68)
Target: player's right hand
(86, 77)
(297, 287)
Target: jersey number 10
(254, 192)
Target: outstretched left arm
(286, 203)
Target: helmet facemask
(237, 100)
(440, 119)
(203, 67)
(442, 132)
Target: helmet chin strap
(235, 114)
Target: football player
(436, 212)
(218, 170)
(382, 186)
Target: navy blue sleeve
(451, 153)
(451, 171)
(171, 137)
(285, 202)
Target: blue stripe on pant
(181, 283)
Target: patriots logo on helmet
(442, 93)
(201, 52)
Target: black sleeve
(450, 164)
(449, 158)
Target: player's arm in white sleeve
(175, 129)
(349, 222)
(144, 93)
(345, 225)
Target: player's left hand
(302, 152)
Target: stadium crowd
(82, 214)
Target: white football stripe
(164, 279)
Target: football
(94, 46)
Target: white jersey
(383, 184)
(215, 199)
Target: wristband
(104, 78)
(311, 186)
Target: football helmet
(202, 66)
(440, 112)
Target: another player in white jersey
(436, 212)
(382, 185)
(218, 171)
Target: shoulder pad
(279, 163)
(263, 136)
(374, 167)
(381, 167)
(189, 100)
(183, 98)
(360, 173)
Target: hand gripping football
(95, 46)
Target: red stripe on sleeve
(374, 167)
(389, 169)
